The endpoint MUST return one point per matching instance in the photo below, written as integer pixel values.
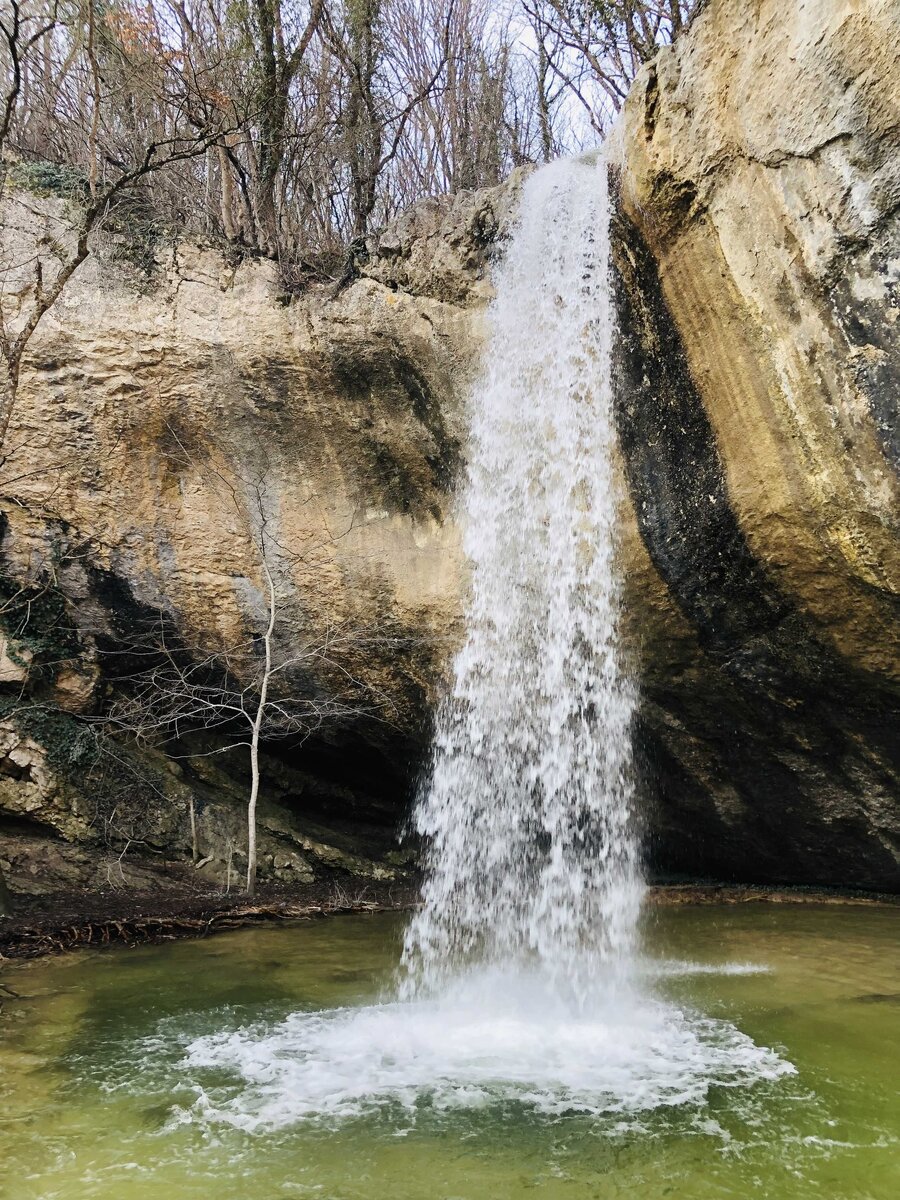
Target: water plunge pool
(222, 1069)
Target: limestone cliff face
(148, 419)
(759, 249)
(163, 419)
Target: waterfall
(532, 856)
(520, 984)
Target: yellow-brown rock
(161, 423)
(759, 254)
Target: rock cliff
(166, 417)
(163, 420)
(759, 251)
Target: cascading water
(517, 982)
(532, 857)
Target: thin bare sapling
(242, 696)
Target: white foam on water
(630, 1055)
(675, 968)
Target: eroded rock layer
(171, 426)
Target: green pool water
(100, 1098)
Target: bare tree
(479, 121)
(379, 101)
(262, 689)
(276, 37)
(596, 47)
(245, 695)
(278, 66)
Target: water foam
(406, 1058)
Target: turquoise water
(105, 1092)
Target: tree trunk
(227, 203)
(9, 385)
(544, 117)
(266, 218)
(195, 844)
(254, 737)
(251, 810)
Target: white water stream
(533, 857)
(522, 979)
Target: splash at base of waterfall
(491, 1042)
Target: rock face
(178, 432)
(760, 255)
(172, 426)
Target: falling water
(532, 852)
